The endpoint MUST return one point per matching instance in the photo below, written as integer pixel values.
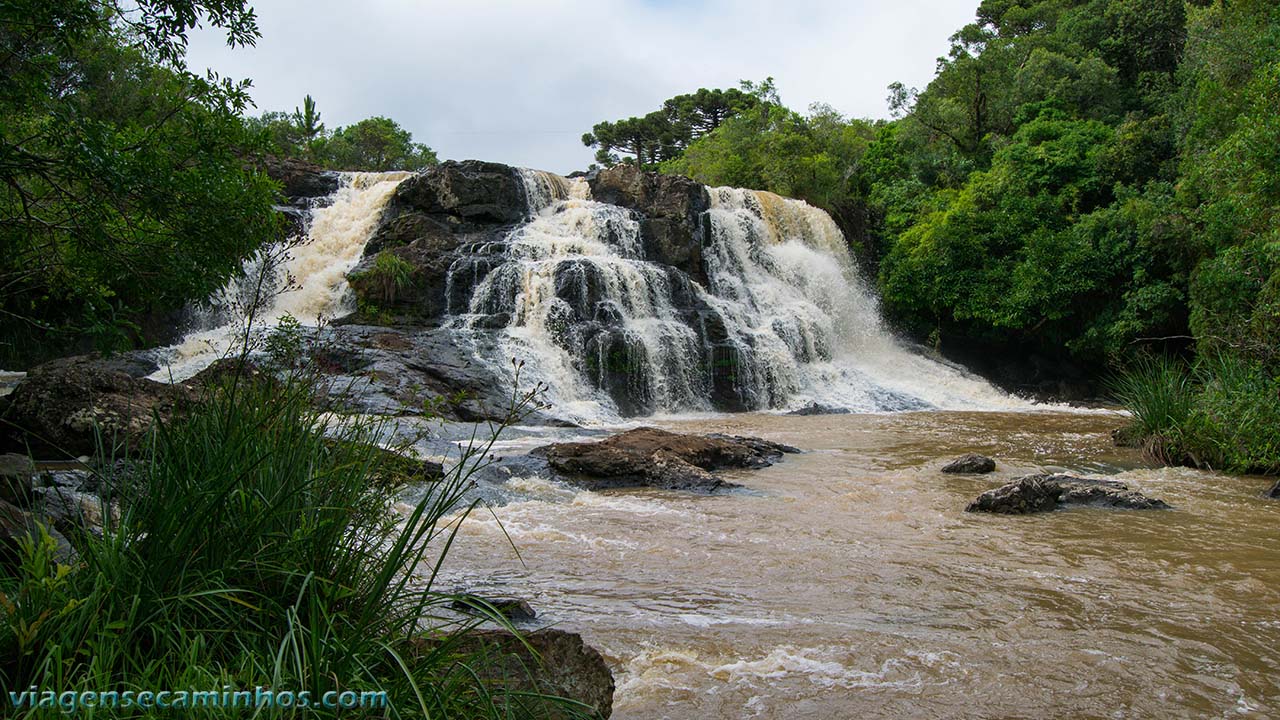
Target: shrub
(1223, 414)
(1159, 392)
(379, 285)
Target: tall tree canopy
(1080, 175)
(123, 186)
(664, 134)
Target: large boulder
(971, 464)
(65, 407)
(522, 668)
(671, 206)
(462, 195)
(301, 181)
(650, 457)
(410, 371)
(1042, 493)
(453, 216)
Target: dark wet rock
(446, 222)
(513, 609)
(226, 370)
(1275, 490)
(17, 475)
(17, 525)
(300, 179)
(72, 511)
(549, 662)
(671, 206)
(64, 406)
(1042, 493)
(412, 371)
(819, 409)
(970, 463)
(463, 194)
(649, 457)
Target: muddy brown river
(849, 583)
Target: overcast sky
(519, 82)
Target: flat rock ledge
(649, 457)
(1042, 493)
(971, 464)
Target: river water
(847, 582)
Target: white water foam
(306, 280)
(801, 325)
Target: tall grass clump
(255, 545)
(1159, 393)
(1221, 413)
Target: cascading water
(305, 279)
(804, 324)
(583, 311)
(784, 321)
(778, 317)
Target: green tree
(374, 144)
(307, 121)
(123, 186)
(664, 134)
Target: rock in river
(649, 457)
(548, 662)
(1042, 493)
(970, 464)
(511, 608)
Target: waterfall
(785, 320)
(581, 309)
(804, 321)
(778, 316)
(304, 278)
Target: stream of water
(849, 583)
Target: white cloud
(519, 82)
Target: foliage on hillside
(123, 187)
(665, 133)
(1080, 174)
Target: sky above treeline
(519, 82)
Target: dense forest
(130, 185)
